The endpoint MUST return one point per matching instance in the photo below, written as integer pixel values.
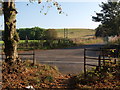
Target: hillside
(75, 32)
(79, 35)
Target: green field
(84, 36)
(75, 33)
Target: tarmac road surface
(68, 61)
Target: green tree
(50, 34)
(39, 33)
(34, 33)
(22, 33)
(109, 18)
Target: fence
(30, 55)
(104, 55)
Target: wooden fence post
(85, 62)
(34, 60)
(2, 52)
(103, 55)
(99, 62)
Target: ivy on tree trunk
(11, 37)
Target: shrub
(47, 44)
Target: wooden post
(65, 33)
(99, 62)
(103, 54)
(34, 60)
(26, 41)
(2, 52)
(115, 61)
(85, 62)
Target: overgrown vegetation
(47, 44)
(106, 78)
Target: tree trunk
(11, 37)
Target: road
(68, 61)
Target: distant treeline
(36, 33)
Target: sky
(76, 15)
